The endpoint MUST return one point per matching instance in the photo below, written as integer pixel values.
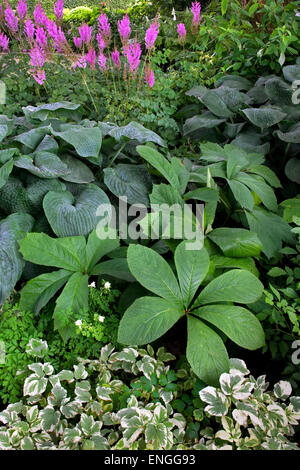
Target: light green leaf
(5, 171)
(96, 247)
(236, 242)
(241, 194)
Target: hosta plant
(207, 312)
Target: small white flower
(78, 323)
(107, 285)
(101, 319)
(93, 284)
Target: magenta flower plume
(85, 32)
(81, 63)
(115, 55)
(41, 37)
(149, 77)
(22, 9)
(134, 56)
(77, 42)
(29, 29)
(59, 9)
(196, 9)
(124, 28)
(151, 35)
(104, 27)
(37, 57)
(11, 19)
(90, 57)
(101, 42)
(181, 33)
(102, 60)
(39, 15)
(4, 40)
(39, 76)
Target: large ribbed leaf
(292, 170)
(264, 117)
(78, 171)
(69, 215)
(86, 141)
(5, 171)
(279, 92)
(66, 253)
(153, 272)
(135, 131)
(206, 352)
(42, 112)
(38, 291)
(292, 136)
(236, 242)
(43, 164)
(240, 325)
(147, 319)
(37, 188)
(132, 181)
(193, 124)
(14, 197)
(11, 264)
(236, 285)
(192, 267)
(33, 137)
(291, 72)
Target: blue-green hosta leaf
(252, 143)
(192, 267)
(236, 285)
(3, 131)
(207, 119)
(215, 104)
(206, 352)
(233, 98)
(7, 154)
(132, 181)
(147, 319)
(65, 253)
(42, 112)
(135, 131)
(78, 172)
(292, 170)
(86, 141)
(263, 190)
(153, 272)
(241, 194)
(5, 171)
(264, 117)
(291, 73)
(240, 325)
(38, 291)
(236, 242)
(12, 229)
(43, 164)
(48, 144)
(279, 92)
(69, 215)
(271, 230)
(234, 81)
(33, 137)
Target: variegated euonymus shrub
(148, 318)
(251, 417)
(124, 401)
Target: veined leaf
(236, 242)
(98, 247)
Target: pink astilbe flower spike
(101, 42)
(59, 9)
(181, 33)
(149, 77)
(29, 29)
(39, 76)
(85, 32)
(22, 9)
(196, 10)
(90, 57)
(104, 27)
(134, 52)
(77, 42)
(102, 62)
(81, 63)
(41, 37)
(37, 57)
(115, 55)
(39, 15)
(151, 35)
(11, 20)
(124, 28)
(4, 40)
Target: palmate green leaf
(86, 141)
(43, 164)
(5, 171)
(98, 246)
(206, 352)
(224, 262)
(38, 291)
(264, 117)
(65, 253)
(263, 190)
(132, 181)
(117, 267)
(165, 194)
(74, 297)
(291, 209)
(236, 242)
(147, 319)
(69, 215)
(236, 285)
(240, 325)
(241, 193)
(192, 267)
(153, 272)
(267, 174)
(160, 163)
